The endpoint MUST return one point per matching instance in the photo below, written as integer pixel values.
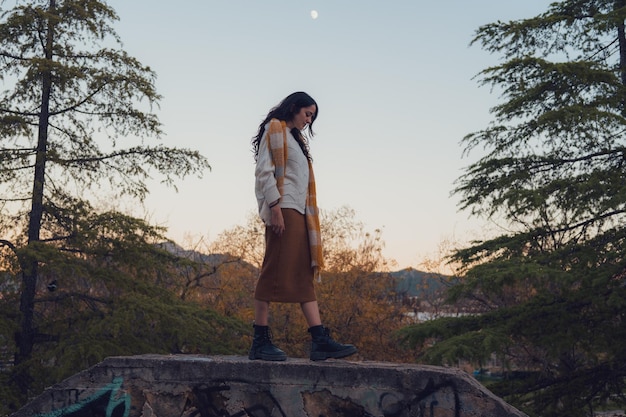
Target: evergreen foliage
(77, 282)
(551, 288)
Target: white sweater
(296, 178)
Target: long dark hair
(285, 111)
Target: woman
(285, 191)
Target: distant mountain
(414, 283)
(409, 280)
(211, 259)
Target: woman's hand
(278, 222)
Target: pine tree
(551, 287)
(76, 122)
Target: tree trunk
(25, 338)
(621, 38)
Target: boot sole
(268, 357)
(321, 356)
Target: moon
(314, 14)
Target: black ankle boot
(262, 346)
(324, 347)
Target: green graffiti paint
(107, 401)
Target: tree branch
(10, 246)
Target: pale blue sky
(393, 80)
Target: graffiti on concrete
(391, 404)
(214, 400)
(211, 402)
(107, 402)
(430, 391)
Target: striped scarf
(277, 135)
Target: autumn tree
(77, 122)
(208, 274)
(356, 294)
(551, 287)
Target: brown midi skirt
(286, 274)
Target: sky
(396, 88)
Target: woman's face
(304, 117)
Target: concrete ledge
(207, 386)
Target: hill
(414, 283)
(409, 281)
